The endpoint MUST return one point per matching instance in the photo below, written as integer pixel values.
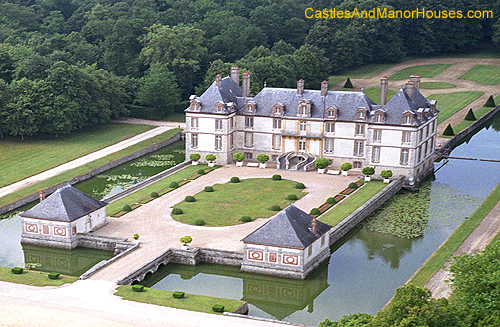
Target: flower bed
(339, 197)
(184, 182)
(146, 200)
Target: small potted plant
(239, 157)
(211, 159)
(135, 238)
(321, 164)
(194, 157)
(262, 159)
(368, 172)
(386, 175)
(185, 240)
(345, 167)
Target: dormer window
(379, 117)
(361, 114)
(407, 118)
(304, 109)
(194, 103)
(219, 106)
(331, 113)
(250, 108)
(195, 106)
(278, 109)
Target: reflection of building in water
(68, 262)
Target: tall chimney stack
(246, 84)
(383, 90)
(416, 81)
(324, 88)
(41, 195)
(218, 80)
(314, 226)
(235, 74)
(410, 87)
(300, 86)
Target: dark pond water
(365, 267)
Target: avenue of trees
(65, 64)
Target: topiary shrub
(234, 180)
(54, 275)
(330, 200)
(238, 156)
(186, 239)
(346, 166)
(137, 288)
(127, 208)
(194, 156)
(210, 157)
(353, 185)
(291, 197)
(368, 171)
(275, 207)
(199, 222)
(17, 270)
(386, 173)
(245, 219)
(470, 115)
(448, 131)
(262, 158)
(201, 172)
(348, 84)
(276, 177)
(208, 189)
(177, 211)
(189, 198)
(154, 195)
(178, 295)
(315, 212)
(300, 186)
(322, 163)
(174, 185)
(490, 102)
(218, 308)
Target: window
(231, 141)
(358, 148)
(404, 157)
(323, 240)
(328, 145)
(194, 140)
(218, 124)
(376, 154)
(231, 123)
(250, 108)
(302, 126)
(195, 106)
(194, 123)
(378, 118)
(330, 127)
(356, 164)
(303, 110)
(360, 129)
(424, 151)
(302, 144)
(360, 114)
(434, 126)
(248, 122)
(406, 138)
(330, 114)
(377, 135)
(408, 119)
(276, 142)
(248, 140)
(426, 131)
(419, 154)
(218, 107)
(277, 110)
(309, 250)
(218, 142)
(277, 123)
(420, 133)
(248, 155)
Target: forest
(66, 64)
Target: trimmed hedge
(174, 185)
(178, 295)
(348, 84)
(208, 189)
(177, 211)
(353, 185)
(127, 208)
(17, 270)
(300, 186)
(234, 180)
(490, 102)
(448, 131)
(218, 308)
(246, 219)
(201, 172)
(331, 200)
(137, 288)
(189, 198)
(199, 222)
(54, 275)
(291, 197)
(275, 207)
(154, 195)
(315, 212)
(276, 177)
(470, 115)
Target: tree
(352, 320)
(448, 131)
(159, 89)
(348, 84)
(490, 102)
(470, 115)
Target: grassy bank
(453, 242)
(34, 278)
(450, 103)
(191, 302)
(85, 168)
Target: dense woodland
(66, 64)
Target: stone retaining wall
(92, 173)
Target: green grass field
(374, 94)
(436, 85)
(34, 278)
(366, 71)
(22, 159)
(191, 302)
(85, 168)
(423, 70)
(347, 206)
(466, 123)
(483, 74)
(229, 202)
(451, 103)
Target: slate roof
(290, 228)
(228, 92)
(65, 204)
(400, 103)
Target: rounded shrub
(234, 180)
(275, 207)
(330, 200)
(54, 275)
(208, 189)
(262, 158)
(245, 219)
(186, 239)
(177, 211)
(353, 185)
(315, 211)
(386, 173)
(127, 208)
(368, 171)
(346, 166)
(300, 186)
(201, 172)
(210, 157)
(178, 295)
(174, 185)
(137, 288)
(189, 198)
(291, 197)
(199, 222)
(154, 195)
(17, 270)
(322, 163)
(238, 156)
(276, 177)
(194, 156)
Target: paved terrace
(159, 232)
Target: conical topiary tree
(449, 131)
(489, 103)
(348, 84)
(470, 115)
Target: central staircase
(295, 160)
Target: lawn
(21, 159)
(423, 70)
(436, 85)
(466, 123)
(366, 71)
(85, 168)
(191, 302)
(483, 74)
(374, 93)
(229, 202)
(34, 278)
(453, 242)
(347, 206)
(451, 103)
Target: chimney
(383, 90)
(409, 89)
(218, 80)
(300, 86)
(246, 84)
(432, 106)
(235, 74)
(324, 88)
(416, 80)
(314, 226)
(41, 195)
